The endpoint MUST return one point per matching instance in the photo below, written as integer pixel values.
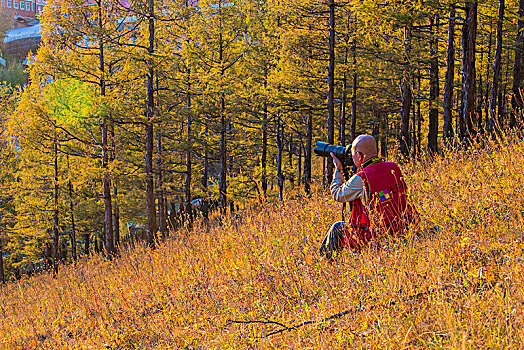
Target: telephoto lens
(324, 149)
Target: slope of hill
(244, 284)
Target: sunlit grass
(263, 266)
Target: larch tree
(220, 30)
(449, 81)
(497, 67)
(467, 104)
(517, 97)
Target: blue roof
(23, 33)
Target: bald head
(366, 145)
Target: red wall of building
(22, 8)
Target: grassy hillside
(461, 287)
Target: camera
(324, 149)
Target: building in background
(25, 35)
(22, 8)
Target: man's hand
(337, 162)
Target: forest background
(134, 110)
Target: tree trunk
(223, 139)
(55, 209)
(331, 87)
(433, 88)
(280, 147)
(375, 130)
(187, 185)
(97, 247)
(166, 215)
(86, 242)
(116, 209)
(263, 160)
(106, 192)
(480, 96)
(73, 229)
(290, 161)
(501, 107)
(419, 125)
(353, 126)
(488, 81)
(223, 157)
(63, 251)
(205, 202)
(467, 108)
(497, 66)
(324, 179)
(413, 126)
(150, 194)
(343, 104)
(450, 79)
(2, 276)
(407, 97)
(106, 182)
(300, 146)
(307, 154)
(384, 137)
(162, 227)
(517, 101)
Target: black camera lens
(324, 149)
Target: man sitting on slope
(382, 188)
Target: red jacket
(385, 190)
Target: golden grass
(265, 267)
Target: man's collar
(370, 161)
